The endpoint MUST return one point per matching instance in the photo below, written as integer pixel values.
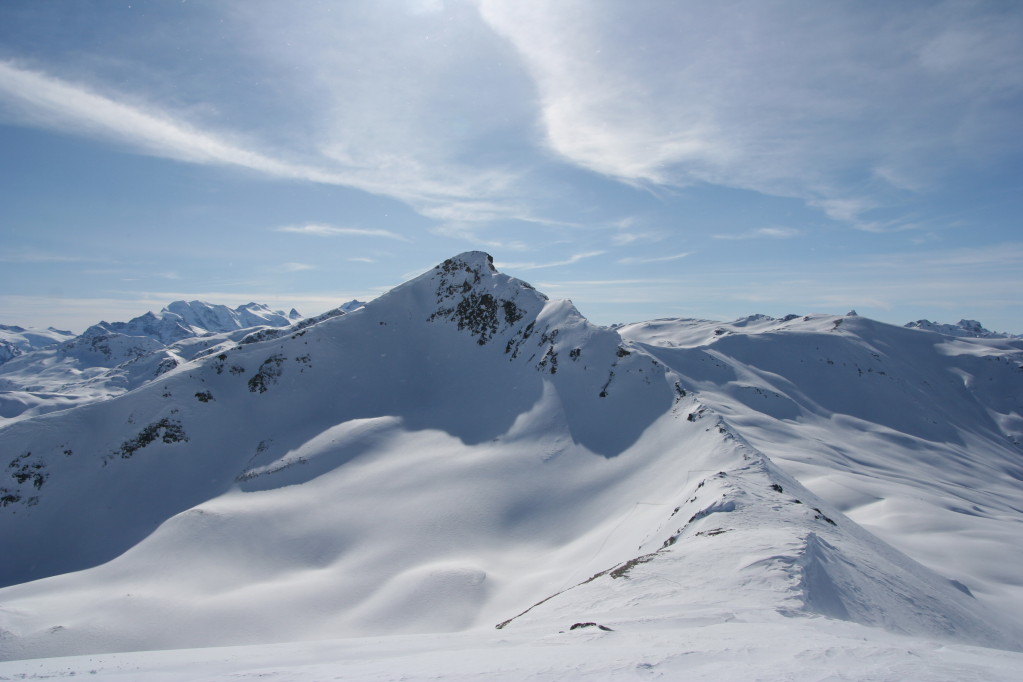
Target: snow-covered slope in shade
(915, 436)
(459, 453)
(110, 358)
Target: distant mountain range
(464, 453)
(15, 341)
(45, 370)
(187, 319)
(970, 328)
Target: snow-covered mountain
(15, 341)
(971, 328)
(57, 370)
(186, 319)
(111, 343)
(463, 453)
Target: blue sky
(644, 159)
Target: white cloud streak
(539, 266)
(320, 230)
(434, 186)
(49, 102)
(980, 260)
(297, 267)
(769, 232)
(657, 259)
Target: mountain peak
(474, 260)
(470, 292)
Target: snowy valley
(464, 478)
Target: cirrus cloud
(320, 230)
(784, 98)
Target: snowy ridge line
(816, 576)
(622, 569)
(832, 585)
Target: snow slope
(460, 454)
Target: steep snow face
(454, 453)
(916, 436)
(606, 394)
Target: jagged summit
(470, 292)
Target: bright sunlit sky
(643, 158)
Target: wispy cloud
(50, 102)
(770, 232)
(297, 267)
(473, 235)
(572, 283)
(896, 287)
(321, 230)
(657, 259)
(998, 257)
(133, 274)
(405, 102)
(781, 98)
(416, 175)
(31, 255)
(470, 210)
(538, 266)
(623, 238)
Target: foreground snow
(789, 650)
